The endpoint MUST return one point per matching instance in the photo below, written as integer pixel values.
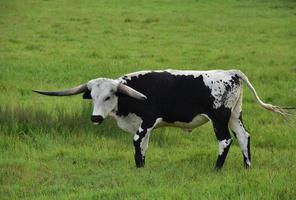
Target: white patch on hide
(129, 123)
(136, 137)
(216, 82)
(223, 144)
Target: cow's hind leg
(238, 128)
(220, 123)
(243, 137)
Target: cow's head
(103, 93)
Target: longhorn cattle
(145, 100)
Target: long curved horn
(67, 92)
(130, 92)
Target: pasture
(49, 148)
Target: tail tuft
(282, 111)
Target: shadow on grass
(26, 121)
(29, 120)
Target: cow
(144, 100)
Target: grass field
(49, 148)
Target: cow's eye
(107, 98)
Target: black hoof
(246, 166)
(217, 168)
(140, 161)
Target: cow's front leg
(220, 123)
(141, 139)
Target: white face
(103, 96)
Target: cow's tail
(280, 110)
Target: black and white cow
(145, 100)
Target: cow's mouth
(97, 119)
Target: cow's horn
(67, 92)
(130, 92)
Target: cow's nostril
(97, 119)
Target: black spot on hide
(171, 97)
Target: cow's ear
(86, 95)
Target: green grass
(48, 146)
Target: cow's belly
(132, 122)
(196, 121)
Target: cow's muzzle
(97, 119)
